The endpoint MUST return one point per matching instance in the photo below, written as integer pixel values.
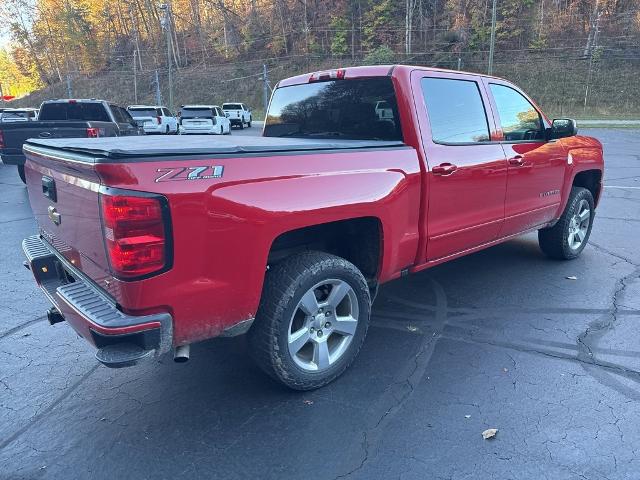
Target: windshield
(196, 113)
(143, 112)
(92, 112)
(232, 106)
(359, 109)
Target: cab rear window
(358, 109)
(90, 112)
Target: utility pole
(69, 90)
(157, 85)
(166, 26)
(135, 79)
(1, 96)
(265, 79)
(492, 45)
(594, 50)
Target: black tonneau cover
(122, 148)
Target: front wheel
(312, 320)
(568, 237)
(21, 174)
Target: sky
(4, 39)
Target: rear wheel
(249, 124)
(312, 320)
(21, 174)
(167, 130)
(568, 237)
(241, 124)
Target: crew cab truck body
(151, 244)
(238, 114)
(66, 118)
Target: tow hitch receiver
(54, 316)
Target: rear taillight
(137, 234)
(92, 133)
(159, 119)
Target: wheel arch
(358, 240)
(590, 179)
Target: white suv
(238, 113)
(204, 119)
(154, 119)
(11, 115)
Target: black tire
(167, 131)
(241, 125)
(21, 174)
(554, 241)
(285, 285)
(249, 123)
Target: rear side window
(126, 115)
(518, 118)
(117, 114)
(232, 106)
(340, 109)
(455, 109)
(91, 112)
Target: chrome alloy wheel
(579, 225)
(323, 324)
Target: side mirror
(562, 127)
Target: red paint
(434, 202)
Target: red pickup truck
(362, 175)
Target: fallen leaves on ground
(489, 433)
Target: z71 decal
(189, 173)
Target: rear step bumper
(122, 340)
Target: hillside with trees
(579, 57)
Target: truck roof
(372, 71)
(134, 148)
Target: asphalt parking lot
(499, 339)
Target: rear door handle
(517, 161)
(444, 169)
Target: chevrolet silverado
(147, 245)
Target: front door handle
(444, 169)
(517, 161)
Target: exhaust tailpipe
(181, 354)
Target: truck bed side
(224, 228)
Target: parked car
(65, 119)
(154, 119)
(238, 114)
(203, 120)
(147, 246)
(10, 115)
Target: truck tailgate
(64, 199)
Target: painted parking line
(624, 188)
